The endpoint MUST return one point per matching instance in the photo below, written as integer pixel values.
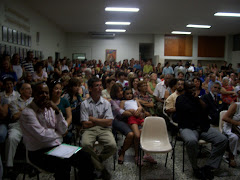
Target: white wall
(52, 38)
(127, 46)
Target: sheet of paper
(64, 151)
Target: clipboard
(64, 151)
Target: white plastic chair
(154, 139)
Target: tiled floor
(129, 171)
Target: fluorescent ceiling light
(117, 23)
(198, 26)
(180, 32)
(227, 14)
(115, 30)
(121, 9)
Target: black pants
(62, 167)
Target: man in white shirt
(14, 130)
(159, 93)
(179, 68)
(9, 94)
(97, 117)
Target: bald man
(14, 130)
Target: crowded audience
(102, 98)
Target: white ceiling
(154, 17)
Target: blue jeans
(3, 132)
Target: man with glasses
(214, 103)
(194, 125)
(97, 117)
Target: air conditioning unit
(103, 35)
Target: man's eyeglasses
(217, 88)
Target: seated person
(119, 123)
(198, 84)
(227, 91)
(121, 79)
(3, 126)
(96, 118)
(144, 99)
(232, 129)
(214, 103)
(14, 130)
(42, 126)
(9, 94)
(194, 124)
(106, 92)
(135, 120)
(171, 100)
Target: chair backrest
(154, 129)
(221, 122)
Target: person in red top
(227, 91)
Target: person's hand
(52, 105)
(132, 111)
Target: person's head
(41, 95)
(149, 62)
(180, 62)
(110, 82)
(142, 86)
(127, 93)
(74, 85)
(199, 64)
(50, 59)
(116, 92)
(237, 91)
(95, 86)
(180, 85)
(190, 88)
(167, 78)
(55, 88)
(166, 64)
(121, 76)
(216, 87)
(180, 75)
(28, 77)
(230, 65)
(134, 82)
(146, 77)
(173, 84)
(233, 76)
(65, 80)
(30, 55)
(39, 67)
(225, 81)
(15, 59)
(213, 77)
(8, 83)
(197, 82)
(153, 77)
(6, 66)
(26, 90)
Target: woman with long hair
(55, 89)
(39, 74)
(133, 84)
(198, 84)
(152, 83)
(118, 123)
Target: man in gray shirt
(96, 117)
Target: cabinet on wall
(211, 46)
(178, 45)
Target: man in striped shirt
(27, 63)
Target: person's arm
(119, 111)
(69, 115)
(166, 94)
(122, 104)
(224, 91)
(149, 89)
(30, 123)
(169, 106)
(145, 103)
(85, 117)
(45, 76)
(3, 110)
(100, 122)
(229, 115)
